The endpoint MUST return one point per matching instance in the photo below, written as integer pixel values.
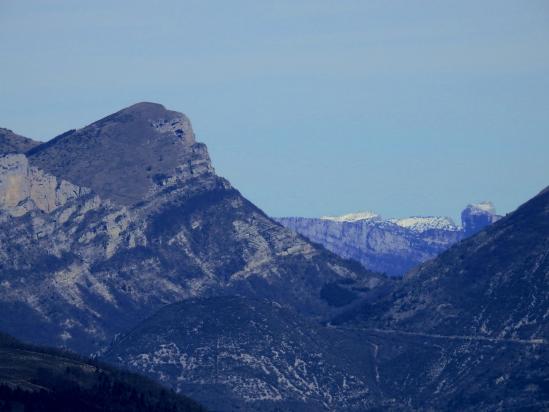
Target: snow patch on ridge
(421, 224)
(415, 223)
(352, 217)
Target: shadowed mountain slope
(493, 284)
(236, 354)
(40, 379)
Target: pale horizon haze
(309, 108)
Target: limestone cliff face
(24, 188)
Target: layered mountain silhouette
(392, 246)
(119, 239)
(492, 285)
(467, 331)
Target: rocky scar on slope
(233, 354)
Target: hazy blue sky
(308, 107)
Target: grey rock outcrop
(380, 245)
(476, 217)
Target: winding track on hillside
(539, 341)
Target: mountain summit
(123, 156)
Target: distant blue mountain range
(391, 246)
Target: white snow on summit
(418, 224)
(421, 224)
(352, 217)
(483, 207)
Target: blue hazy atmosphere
(310, 107)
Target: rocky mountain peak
(144, 221)
(476, 216)
(157, 117)
(482, 207)
(147, 108)
(130, 153)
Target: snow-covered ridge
(390, 245)
(422, 224)
(352, 217)
(416, 223)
